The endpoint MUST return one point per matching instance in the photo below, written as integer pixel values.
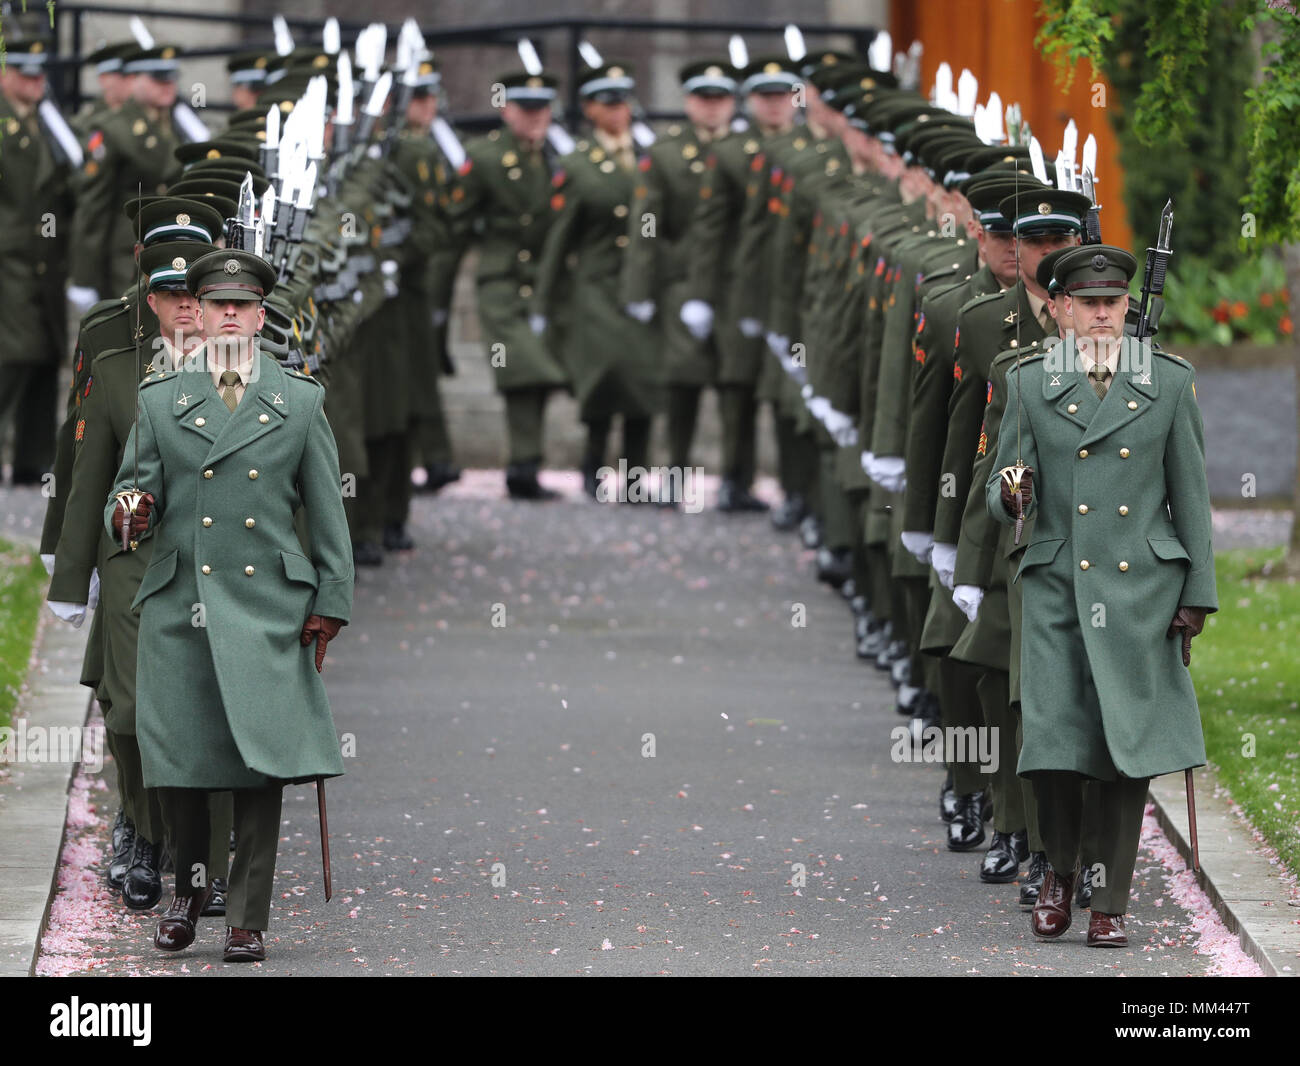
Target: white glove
(439, 317)
(48, 560)
(819, 406)
(887, 472)
(69, 612)
(92, 598)
(82, 298)
(867, 459)
(968, 598)
(944, 561)
(835, 421)
(537, 323)
(697, 316)
(750, 327)
(921, 545)
(642, 311)
(847, 437)
(779, 345)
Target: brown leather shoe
(244, 945)
(175, 930)
(1106, 931)
(1051, 914)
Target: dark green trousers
(256, 814)
(739, 413)
(959, 707)
(636, 442)
(1120, 805)
(29, 392)
(139, 803)
(1027, 788)
(796, 456)
(384, 496)
(683, 417)
(838, 527)
(429, 431)
(525, 418)
(994, 690)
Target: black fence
(71, 44)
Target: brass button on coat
(1123, 453)
(1084, 564)
(1083, 508)
(525, 291)
(248, 570)
(1083, 453)
(264, 419)
(249, 523)
(200, 421)
(207, 569)
(1073, 408)
(620, 211)
(621, 240)
(207, 521)
(208, 474)
(1132, 405)
(1123, 508)
(524, 255)
(252, 475)
(1123, 566)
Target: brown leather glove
(1026, 492)
(1189, 621)
(139, 518)
(322, 630)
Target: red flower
(1221, 312)
(1266, 299)
(1239, 309)
(1285, 325)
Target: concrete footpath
(502, 816)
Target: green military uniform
(34, 210)
(222, 705)
(106, 60)
(502, 201)
(611, 356)
(657, 262)
(1123, 526)
(130, 151)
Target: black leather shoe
(733, 499)
(1083, 890)
(890, 654)
(142, 886)
(810, 531)
(522, 483)
(1033, 879)
(966, 830)
(870, 646)
(787, 515)
(849, 590)
(900, 671)
(175, 930)
(947, 800)
(123, 847)
(244, 945)
(396, 538)
(834, 566)
(216, 906)
(366, 553)
(438, 475)
(119, 824)
(1002, 861)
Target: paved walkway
(505, 684)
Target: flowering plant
(1246, 303)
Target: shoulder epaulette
(979, 301)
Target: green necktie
(1100, 377)
(229, 379)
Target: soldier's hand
(537, 323)
(139, 518)
(322, 630)
(1188, 622)
(697, 316)
(642, 310)
(1026, 493)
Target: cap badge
(772, 68)
(178, 263)
(534, 83)
(182, 219)
(1100, 262)
(232, 266)
(713, 72)
(1044, 208)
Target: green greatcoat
(657, 262)
(502, 202)
(612, 357)
(226, 695)
(129, 154)
(105, 417)
(1123, 538)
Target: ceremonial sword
(131, 497)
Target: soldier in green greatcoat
(502, 200)
(655, 280)
(106, 414)
(611, 355)
(35, 212)
(129, 152)
(114, 88)
(1118, 578)
(229, 449)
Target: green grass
(1246, 667)
(22, 590)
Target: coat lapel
(1132, 393)
(264, 408)
(197, 405)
